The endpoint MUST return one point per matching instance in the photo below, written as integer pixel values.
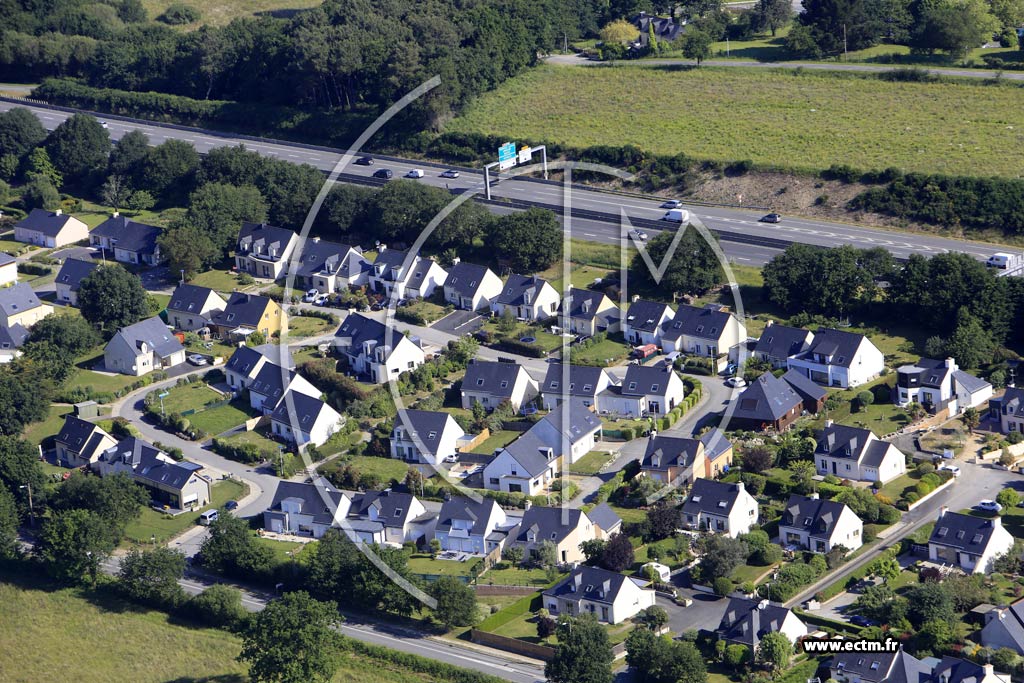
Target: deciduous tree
(111, 298)
(291, 641)
(529, 240)
(79, 147)
(693, 267)
(74, 543)
(456, 602)
(151, 576)
(583, 653)
(20, 131)
(618, 554)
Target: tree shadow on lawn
(222, 678)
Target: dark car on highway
(384, 173)
(364, 161)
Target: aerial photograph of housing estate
(568, 341)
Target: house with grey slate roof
(143, 347)
(389, 517)
(471, 287)
(646, 390)
(565, 528)
(11, 339)
(176, 485)
(879, 667)
(272, 382)
(469, 526)
(20, 305)
(720, 508)
(968, 542)
(390, 276)
(584, 383)
(491, 383)
(589, 312)
(263, 250)
(8, 269)
(643, 322)
(425, 437)
(746, 621)
(302, 419)
(611, 597)
(70, 277)
(363, 341)
(1004, 627)
(80, 443)
(192, 307)
(306, 509)
(857, 454)
(773, 403)
(837, 358)
(778, 343)
(709, 331)
(607, 521)
(50, 229)
(526, 297)
(331, 267)
(1009, 410)
(938, 384)
(129, 241)
(819, 525)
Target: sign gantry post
(509, 157)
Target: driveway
(705, 612)
(460, 322)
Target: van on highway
(677, 216)
(1004, 261)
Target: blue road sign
(507, 151)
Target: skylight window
(480, 382)
(977, 538)
(432, 435)
(722, 504)
(632, 386)
(696, 499)
(942, 532)
(398, 512)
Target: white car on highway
(671, 204)
(415, 173)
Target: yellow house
(248, 313)
(20, 305)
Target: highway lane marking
(414, 643)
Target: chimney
(769, 324)
(636, 297)
(527, 504)
(989, 670)
(115, 214)
(316, 240)
(997, 522)
(456, 261)
(813, 496)
(951, 364)
(828, 423)
(58, 212)
(740, 487)
(943, 510)
(381, 248)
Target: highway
(595, 213)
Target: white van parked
(208, 517)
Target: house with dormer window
(579, 382)
(565, 528)
(857, 454)
(471, 287)
(572, 429)
(20, 305)
(779, 343)
(129, 241)
(272, 382)
(263, 250)
(819, 525)
(469, 526)
(720, 508)
(80, 443)
(192, 307)
(746, 621)
(178, 485)
(491, 383)
(708, 331)
(302, 419)
(968, 542)
(526, 297)
(244, 314)
(1009, 410)
(70, 278)
(391, 277)
(371, 354)
(646, 390)
(643, 322)
(938, 384)
(425, 436)
(680, 460)
(879, 667)
(611, 597)
(330, 267)
(388, 517)
(589, 312)
(143, 347)
(306, 509)
(839, 359)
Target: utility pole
(31, 508)
(846, 55)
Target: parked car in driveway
(196, 359)
(310, 295)
(771, 218)
(736, 382)
(320, 300)
(950, 468)
(989, 506)
(450, 173)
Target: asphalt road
(596, 213)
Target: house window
(654, 388)
(554, 385)
(847, 467)
(632, 386)
(504, 384)
(480, 382)
(494, 480)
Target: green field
(164, 527)
(591, 463)
(38, 431)
(496, 440)
(133, 644)
(221, 12)
(300, 326)
(424, 564)
(189, 397)
(222, 418)
(794, 120)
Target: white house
(80, 443)
(272, 382)
(330, 267)
(779, 343)
(363, 342)
(306, 509)
(243, 366)
(746, 621)
(1004, 627)
(471, 287)
(578, 382)
(491, 383)
(20, 305)
(571, 429)
(263, 250)
(527, 465)
(565, 528)
(937, 384)
(709, 331)
(11, 340)
(585, 311)
(878, 667)
(968, 542)
(839, 359)
(527, 297)
(720, 508)
(50, 229)
(70, 277)
(129, 241)
(425, 436)
(192, 307)
(1010, 409)
(177, 485)
(302, 419)
(857, 454)
(143, 347)
(646, 390)
(391, 277)
(644, 320)
(819, 525)
(609, 596)
(8, 269)
(387, 517)
(469, 526)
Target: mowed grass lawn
(591, 463)
(189, 397)
(36, 432)
(799, 120)
(34, 628)
(222, 418)
(152, 523)
(221, 12)
(496, 440)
